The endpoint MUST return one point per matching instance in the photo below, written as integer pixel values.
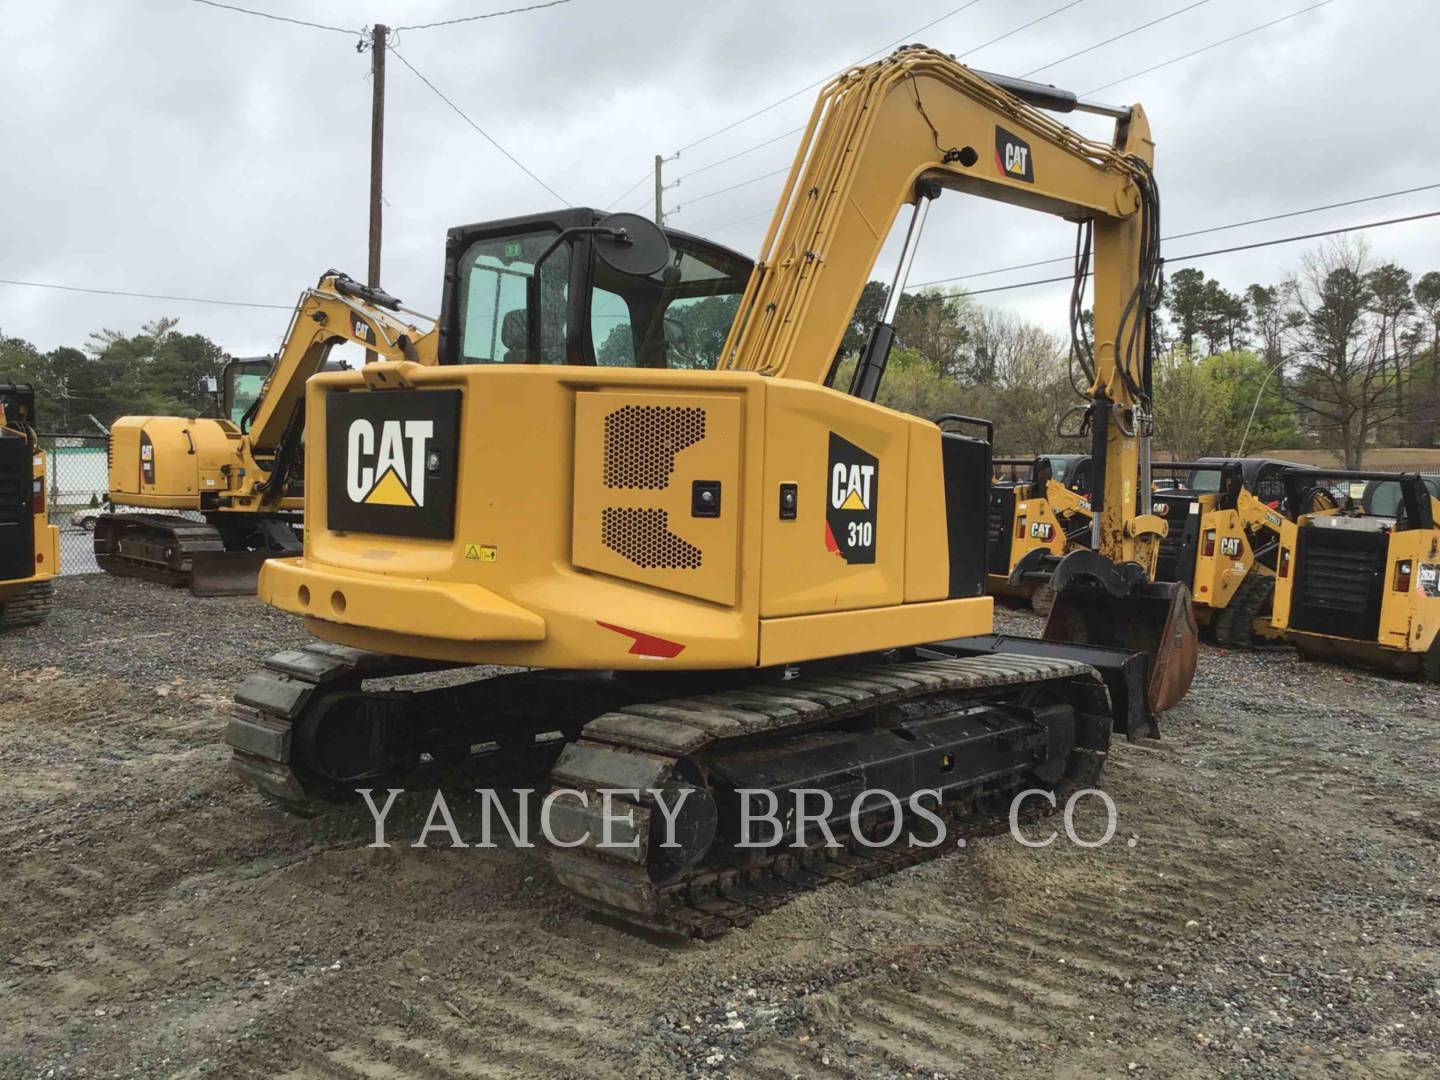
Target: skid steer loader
(1228, 518)
(1360, 587)
(1047, 511)
(719, 574)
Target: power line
(1117, 37)
(1127, 33)
(1026, 26)
(992, 41)
(1198, 255)
(143, 295)
(753, 179)
(732, 187)
(1193, 232)
(628, 190)
(461, 113)
(477, 18)
(732, 157)
(1207, 48)
(276, 18)
(739, 221)
(1193, 257)
(819, 82)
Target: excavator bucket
(1100, 603)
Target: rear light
(37, 497)
(1402, 575)
(1284, 562)
(1208, 549)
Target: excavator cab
(649, 299)
(241, 381)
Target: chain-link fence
(76, 479)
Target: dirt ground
(1277, 913)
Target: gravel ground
(1268, 908)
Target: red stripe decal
(647, 644)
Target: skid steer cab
(1363, 587)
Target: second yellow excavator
(722, 577)
(240, 473)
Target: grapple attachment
(1098, 602)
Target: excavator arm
(338, 309)
(896, 133)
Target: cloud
(176, 148)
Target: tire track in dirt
(1044, 973)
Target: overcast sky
(166, 146)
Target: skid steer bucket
(1100, 603)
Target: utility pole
(659, 190)
(377, 153)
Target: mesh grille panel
(643, 536)
(641, 442)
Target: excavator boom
(901, 130)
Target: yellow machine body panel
(650, 493)
(544, 456)
(170, 461)
(1410, 614)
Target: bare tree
(1391, 302)
(1021, 370)
(1342, 380)
(1427, 296)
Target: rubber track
(1235, 623)
(640, 746)
(30, 608)
(185, 537)
(269, 701)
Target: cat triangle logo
(853, 502)
(389, 491)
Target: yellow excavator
(720, 574)
(29, 544)
(242, 470)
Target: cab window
(1205, 481)
(494, 278)
(610, 329)
(1270, 485)
(677, 319)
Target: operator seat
(515, 336)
